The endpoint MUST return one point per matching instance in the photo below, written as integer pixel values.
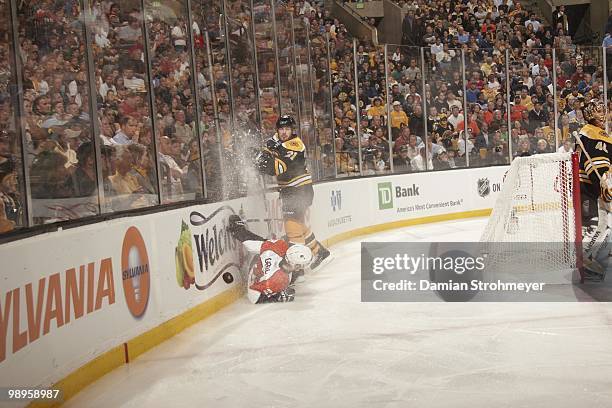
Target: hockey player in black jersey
(284, 156)
(594, 148)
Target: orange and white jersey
(266, 275)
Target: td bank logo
(385, 196)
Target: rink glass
(55, 114)
(242, 64)
(176, 121)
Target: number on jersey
(601, 146)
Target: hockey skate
(593, 271)
(322, 258)
(287, 295)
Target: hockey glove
(273, 144)
(236, 224)
(606, 190)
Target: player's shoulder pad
(277, 246)
(595, 133)
(295, 144)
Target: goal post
(540, 202)
(577, 214)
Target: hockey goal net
(539, 203)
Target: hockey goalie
(275, 266)
(594, 148)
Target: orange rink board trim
(126, 352)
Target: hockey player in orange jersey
(272, 269)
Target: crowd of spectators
(11, 208)
(57, 110)
(318, 22)
(332, 60)
(56, 114)
(485, 41)
(484, 34)
(409, 113)
(210, 81)
(488, 42)
(57, 104)
(266, 64)
(124, 103)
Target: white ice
(328, 349)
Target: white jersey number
(601, 146)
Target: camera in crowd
(368, 153)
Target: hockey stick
(264, 189)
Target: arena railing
(160, 107)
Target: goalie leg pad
(597, 238)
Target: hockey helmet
(285, 121)
(298, 255)
(595, 112)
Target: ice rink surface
(327, 349)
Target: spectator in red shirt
(516, 111)
(402, 140)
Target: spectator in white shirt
(452, 101)
(107, 85)
(566, 147)
(305, 9)
(130, 33)
(127, 132)
(535, 23)
(131, 82)
(179, 37)
(418, 162)
(106, 131)
(455, 118)
(397, 55)
(436, 47)
(462, 143)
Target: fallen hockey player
(271, 272)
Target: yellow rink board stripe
(403, 223)
(115, 357)
(109, 360)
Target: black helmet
(285, 121)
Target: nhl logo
(483, 187)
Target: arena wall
(77, 303)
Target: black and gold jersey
(598, 145)
(289, 162)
